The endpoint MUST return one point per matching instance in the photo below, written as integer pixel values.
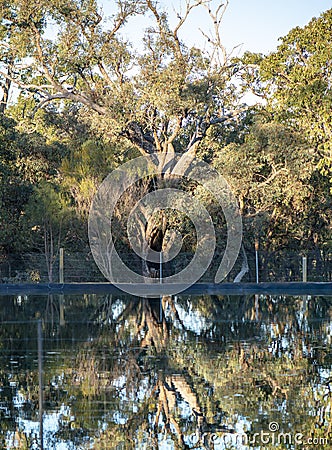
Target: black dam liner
(156, 289)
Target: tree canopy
(150, 98)
(295, 80)
(87, 99)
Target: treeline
(87, 101)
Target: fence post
(61, 277)
(304, 269)
(256, 259)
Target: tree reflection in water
(185, 372)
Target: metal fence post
(61, 266)
(256, 259)
(304, 269)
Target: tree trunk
(6, 89)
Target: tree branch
(244, 267)
(217, 17)
(28, 87)
(268, 180)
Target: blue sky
(256, 24)
(259, 23)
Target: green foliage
(296, 82)
(88, 61)
(274, 177)
(89, 101)
(47, 205)
(48, 214)
(24, 161)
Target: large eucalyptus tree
(160, 97)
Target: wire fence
(282, 266)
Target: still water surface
(186, 372)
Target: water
(188, 372)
